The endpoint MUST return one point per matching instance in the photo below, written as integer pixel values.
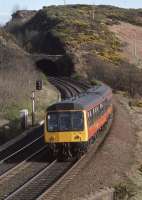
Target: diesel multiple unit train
(73, 124)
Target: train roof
(84, 101)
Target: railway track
(39, 183)
(23, 172)
(26, 138)
(67, 87)
(81, 84)
(20, 155)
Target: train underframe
(65, 151)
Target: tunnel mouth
(61, 67)
(48, 67)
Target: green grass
(95, 82)
(136, 103)
(124, 191)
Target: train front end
(66, 132)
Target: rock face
(22, 16)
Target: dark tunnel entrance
(48, 67)
(61, 67)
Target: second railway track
(39, 183)
(68, 87)
(23, 172)
(27, 137)
(20, 155)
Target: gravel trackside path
(110, 164)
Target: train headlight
(77, 137)
(52, 138)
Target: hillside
(83, 35)
(18, 75)
(131, 36)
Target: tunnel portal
(48, 67)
